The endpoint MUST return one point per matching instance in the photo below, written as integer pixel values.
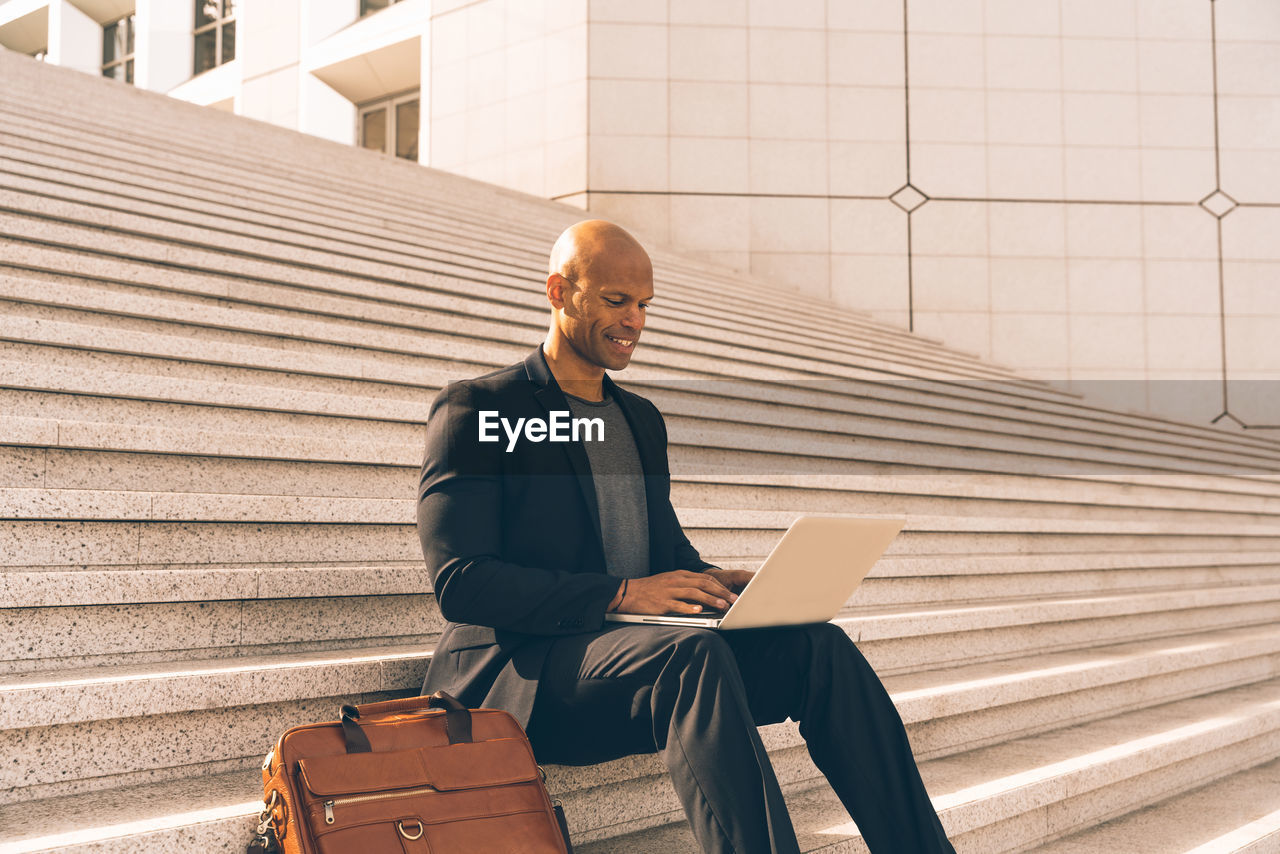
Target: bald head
(599, 283)
(597, 249)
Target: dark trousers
(696, 696)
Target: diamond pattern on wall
(1218, 203)
(908, 198)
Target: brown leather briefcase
(423, 775)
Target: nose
(634, 319)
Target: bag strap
(457, 718)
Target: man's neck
(573, 375)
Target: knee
(701, 643)
(696, 650)
(828, 636)
(832, 647)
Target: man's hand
(678, 592)
(734, 579)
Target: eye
(613, 301)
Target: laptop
(807, 578)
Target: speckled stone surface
(171, 506)
(31, 543)
(144, 808)
(165, 542)
(906, 652)
(52, 633)
(360, 579)
(23, 467)
(66, 760)
(285, 446)
(25, 503)
(335, 370)
(981, 687)
(98, 414)
(279, 328)
(1005, 492)
(129, 691)
(103, 375)
(98, 586)
(274, 621)
(55, 638)
(44, 587)
(75, 469)
(1187, 821)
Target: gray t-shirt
(619, 480)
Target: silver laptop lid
(807, 578)
(812, 571)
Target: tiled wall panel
(1040, 182)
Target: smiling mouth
(624, 343)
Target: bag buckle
(400, 828)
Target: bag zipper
(360, 799)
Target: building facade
(1081, 189)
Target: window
(390, 125)
(117, 50)
(215, 33)
(368, 7)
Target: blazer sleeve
(460, 525)
(686, 556)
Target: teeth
(621, 341)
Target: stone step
(898, 640)
(1030, 791)
(36, 465)
(75, 453)
(895, 638)
(1237, 815)
(76, 637)
(932, 395)
(29, 156)
(535, 249)
(65, 222)
(895, 581)
(259, 332)
(68, 297)
(227, 525)
(178, 624)
(992, 799)
(93, 160)
(53, 483)
(223, 362)
(869, 347)
(308, 161)
(948, 710)
(156, 504)
(76, 372)
(66, 419)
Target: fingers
(698, 597)
(709, 583)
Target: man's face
(604, 313)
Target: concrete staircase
(218, 344)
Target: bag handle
(457, 718)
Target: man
(530, 540)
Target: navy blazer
(512, 539)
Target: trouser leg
(816, 675)
(630, 689)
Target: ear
(556, 287)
